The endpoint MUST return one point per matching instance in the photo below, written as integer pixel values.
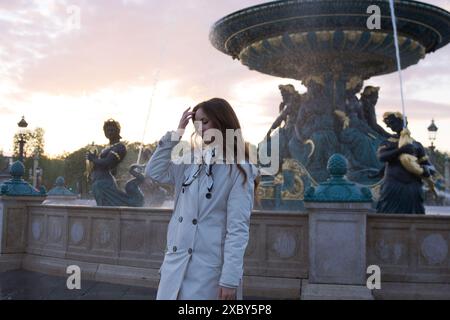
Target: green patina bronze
(338, 188)
(60, 188)
(17, 187)
(328, 46)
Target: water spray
(155, 85)
(399, 65)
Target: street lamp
(22, 134)
(447, 173)
(432, 132)
(35, 167)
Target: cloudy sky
(69, 78)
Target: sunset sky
(69, 80)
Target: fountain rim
(264, 6)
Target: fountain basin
(297, 39)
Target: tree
(74, 170)
(37, 141)
(34, 142)
(4, 163)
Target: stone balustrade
(413, 254)
(126, 246)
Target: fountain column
(338, 212)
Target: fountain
(332, 48)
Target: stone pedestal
(337, 236)
(15, 196)
(337, 251)
(13, 233)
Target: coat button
(160, 143)
(190, 251)
(174, 248)
(194, 222)
(208, 195)
(182, 190)
(180, 219)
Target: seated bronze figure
(104, 185)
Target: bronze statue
(288, 113)
(104, 185)
(369, 99)
(401, 190)
(315, 140)
(359, 140)
(288, 107)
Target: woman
(209, 228)
(104, 185)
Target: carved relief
(77, 232)
(434, 249)
(389, 252)
(284, 245)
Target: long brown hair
(223, 117)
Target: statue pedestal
(13, 229)
(15, 196)
(337, 236)
(337, 251)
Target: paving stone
(27, 285)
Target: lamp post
(35, 167)
(432, 132)
(39, 173)
(447, 173)
(22, 133)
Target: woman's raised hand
(187, 115)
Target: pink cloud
(122, 43)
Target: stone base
(412, 291)
(10, 262)
(273, 288)
(133, 276)
(258, 287)
(334, 292)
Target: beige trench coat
(206, 237)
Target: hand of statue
(91, 156)
(227, 293)
(426, 171)
(185, 119)
(408, 149)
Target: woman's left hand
(227, 293)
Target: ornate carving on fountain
(369, 52)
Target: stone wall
(126, 246)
